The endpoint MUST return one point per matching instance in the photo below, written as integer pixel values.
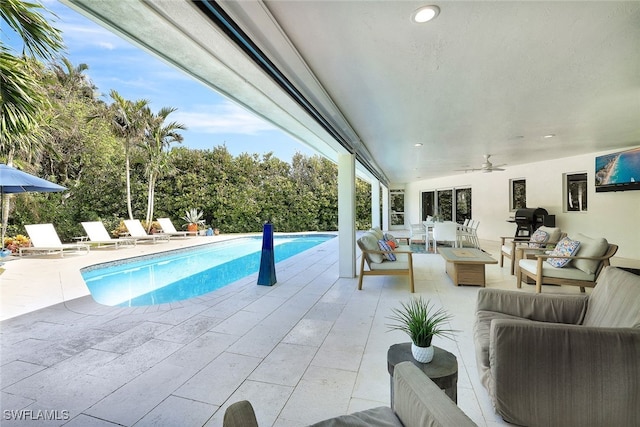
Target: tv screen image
(618, 171)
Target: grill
(529, 219)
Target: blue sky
(211, 119)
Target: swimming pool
(186, 273)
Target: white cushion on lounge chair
(168, 228)
(136, 230)
(44, 238)
(99, 235)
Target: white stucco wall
(613, 215)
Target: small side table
(442, 370)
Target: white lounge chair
(44, 238)
(136, 231)
(168, 228)
(99, 236)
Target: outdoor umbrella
(14, 181)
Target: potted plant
(193, 219)
(421, 322)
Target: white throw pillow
(589, 247)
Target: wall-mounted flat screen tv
(618, 171)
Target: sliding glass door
(451, 204)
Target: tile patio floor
(308, 348)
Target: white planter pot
(422, 354)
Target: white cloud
(223, 118)
(82, 36)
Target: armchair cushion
(555, 234)
(562, 360)
(401, 263)
(382, 416)
(615, 301)
(377, 232)
(568, 272)
(541, 307)
(565, 247)
(589, 247)
(369, 242)
(564, 375)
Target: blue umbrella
(13, 180)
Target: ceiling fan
(487, 166)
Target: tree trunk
(127, 168)
(150, 196)
(6, 204)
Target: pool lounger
(44, 238)
(136, 231)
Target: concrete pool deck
(310, 347)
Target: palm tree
(72, 80)
(156, 144)
(129, 120)
(22, 99)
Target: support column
(386, 224)
(347, 215)
(375, 204)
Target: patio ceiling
(490, 77)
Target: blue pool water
(186, 273)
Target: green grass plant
(419, 319)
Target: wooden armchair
(509, 245)
(378, 263)
(583, 273)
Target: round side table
(442, 370)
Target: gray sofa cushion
(551, 368)
(381, 416)
(420, 403)
(417, 402)
(615, 300)
(481, 333)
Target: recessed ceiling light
(551, 135)
(425, 14)
(418, 144)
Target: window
(428, 204)
(397, 207)
(442, 205)
(575, 185)
(463, 204)
(518, 196)
(445, 205)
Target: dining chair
(445, 232)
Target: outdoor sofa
(563, 360)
